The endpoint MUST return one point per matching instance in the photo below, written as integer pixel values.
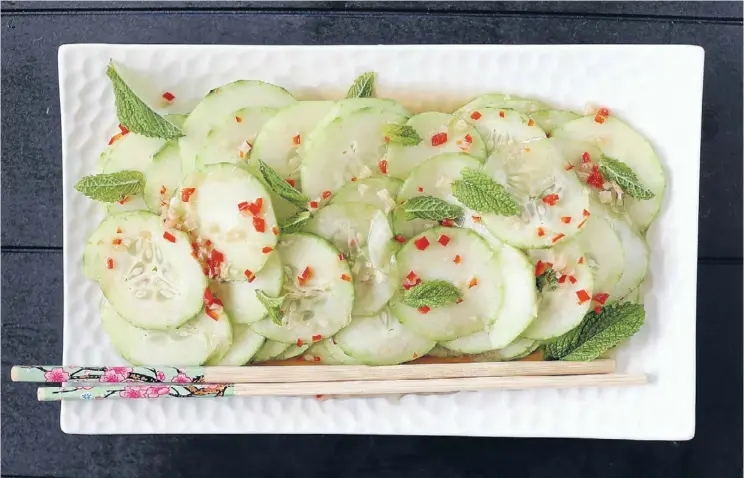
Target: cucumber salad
(260, 227)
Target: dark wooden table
(32, 443)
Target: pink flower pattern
(115, 375)
(56, 375)
(181, 378)
(161, 376)
(155, 392)
(132, 392)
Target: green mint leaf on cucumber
(435, 293)
(482, 194)
(401, 134)
(111, 187)
(597, 333)
(282, 187)
(135, 115)
(428, 207)
(295, 223)
(547, 280)
(621, 174)
(273, 306)
(363, 86)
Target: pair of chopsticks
(136, 382)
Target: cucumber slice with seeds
(518, 349)
(636, 255)
(378, 192)
(549, 120)
(269, 350)
(504, 127)
(150, 281)
(459, 136)
(322, 305)
(163, 177)
(132, 152)
(502, 101)
(244, 346)
(327, 352)
(292, 351)
(603, 251)
(477, 273)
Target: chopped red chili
(530, 123)
(259, 224)
(501, 113)
(124, 201)
(595, 179)
(326, 194)
(306, 275)
(353, 179)
(420, 189)
(168, 96)
(116, 242)
(557, 237)
(459, 301)
(473, 282)
(572, 279)
(421, 243)
(317, 338)
(540, 268)
(238, 119)
(477, 219)
(299, 342)
(110, 263)
(550, 199)
(581, 260)
(346, 277)
(411, 276)
(447, 223)
(582, 295)
(186, 194)
(275, 230)
(169, 237)
(439, 139)
(476, 115)
(123, 129)
(314, 204)
(562, 279)
(400, 239)
(599, 119)
(468, 138)
(586, 157)
(296, 139)
(250, 275)
(540, 231)
(424, 310)
(291, 182)
(115, 138)
(383, 166)
(443, 240)
(566, 219)
(267, 249)
(341, 257)
(598, 309)
(603, 112)
(568, 167)
(212, 314)
(457, 259)
(601, 297)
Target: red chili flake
(562, 279)
(317, 338)
(256, 206)
(530, 123)
(501, 113)
(586, 157)
(540, 231)
(317, 359)
(123, 129)
(424, 310)
(572, 279)
(208, 297)
(345, 277)
(115, 138)
(326, 194)
(598, 309)
(341, 257)
(468, 138)
(411, 276)
(568, 167)
(383, 166)
(585, 213)
(186, 194)
(400, 239)
(387, 139)
(603, 112)
(275, 230)
(243, 206)
(595, 179)
(473, 282)
(124, 201)
(162, 189)
(477, 219)
(306, 275)
(296, 139)
(421, 243)
(238, 119)
(250, 275)
(216, 256)
(476, 115)
(420, 189)
(415, 355)
(212, 314)
(299, 342)
(550, 199)
(457, 259)
(291, 182)
(601, 297)
(169, 237)
(566, 219)
(267, 249)
(168, 96)
(314, 204)
(599, 119)
(443, 240)
(459, 301)
(540, 268)
(447, 223)
(207, 243)
(110, 263)
(353, 179)
(118, 230)
(582, 295)
(116, 242)
(259, 224)
(581, 260)
(439, 139)
(557, 237)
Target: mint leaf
(363, 86)
(597, 333)
(135, 115)
(435, 293)
(273, 306)
(547, 280)
(621, 174)
(429, 207)
(482, 194)
(111, 187)
(295, 223)
(281, 187)
(401, 134)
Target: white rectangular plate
(657, 89)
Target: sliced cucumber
(292, 351)
(380, 339)
(194, 343)
(504, 127)
(502, 101)
(226, 141)
(150, 281)
(603, 251)
(219, 105)
(212, 213)
(482, 301)
(619, 141)
(517, 313)
(350, 146)
(443, 352)
(431, 178)
(132, 152)
(561, 310)
(319, 307)
(378, 192)
(327, 352)
(532, 174)
(163, 177)
(269, 350)
(362, 233)
(276, 145)
(549, 120)
(244, 346)
(239, 297)
(454, 135)
(177, 119)
(636, 256)
(518, 349)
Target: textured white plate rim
(662, 410)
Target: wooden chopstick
(350, 388)
(316, 373)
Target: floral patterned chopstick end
(51, 394)
(71, 373)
